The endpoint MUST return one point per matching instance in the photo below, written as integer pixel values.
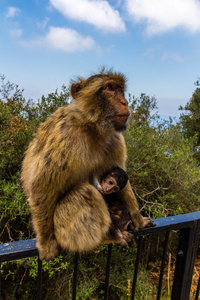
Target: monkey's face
(109, 185)
(116, 105)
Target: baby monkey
(110, 183)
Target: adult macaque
(111, 183)
(77, 143)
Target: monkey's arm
(131, 203)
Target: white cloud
(12, 12)
(42, 25)
(172, 56)
(64, 39)
(68, 40)
(96, 12)
(17, 32)
(157, 52)
(36, 43)
(153, 52)
(164, 15)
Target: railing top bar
(172, 223)
(17, 250)
(27, 248)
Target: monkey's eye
(109, 87)
(111, 182)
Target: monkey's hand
(148, 222)
(48, 250)
(140, 222)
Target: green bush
(161, 165)
(163, 172)
(190, 119)
(19, 120)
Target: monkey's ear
(75, 88)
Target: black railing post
(163, 265)
(39, 280)
(107, 272)
(187, 248)
(136, 267)
(76, 257)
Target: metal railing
(188, 226)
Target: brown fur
(75, 144)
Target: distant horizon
(27, 95)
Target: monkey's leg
(81, 219)
(42, 219)
(127, 224)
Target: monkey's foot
(126, 238)
(49, 250)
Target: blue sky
(155, 43)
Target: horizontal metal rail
(189, 228)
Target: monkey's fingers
(127, 236)
(148, 222)
(123, 243)
(131, 227)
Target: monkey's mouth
(120, 122)
(123, 118)
(104, 192)
(101, 190)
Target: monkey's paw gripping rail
(188, 226)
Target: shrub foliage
(163, 172)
